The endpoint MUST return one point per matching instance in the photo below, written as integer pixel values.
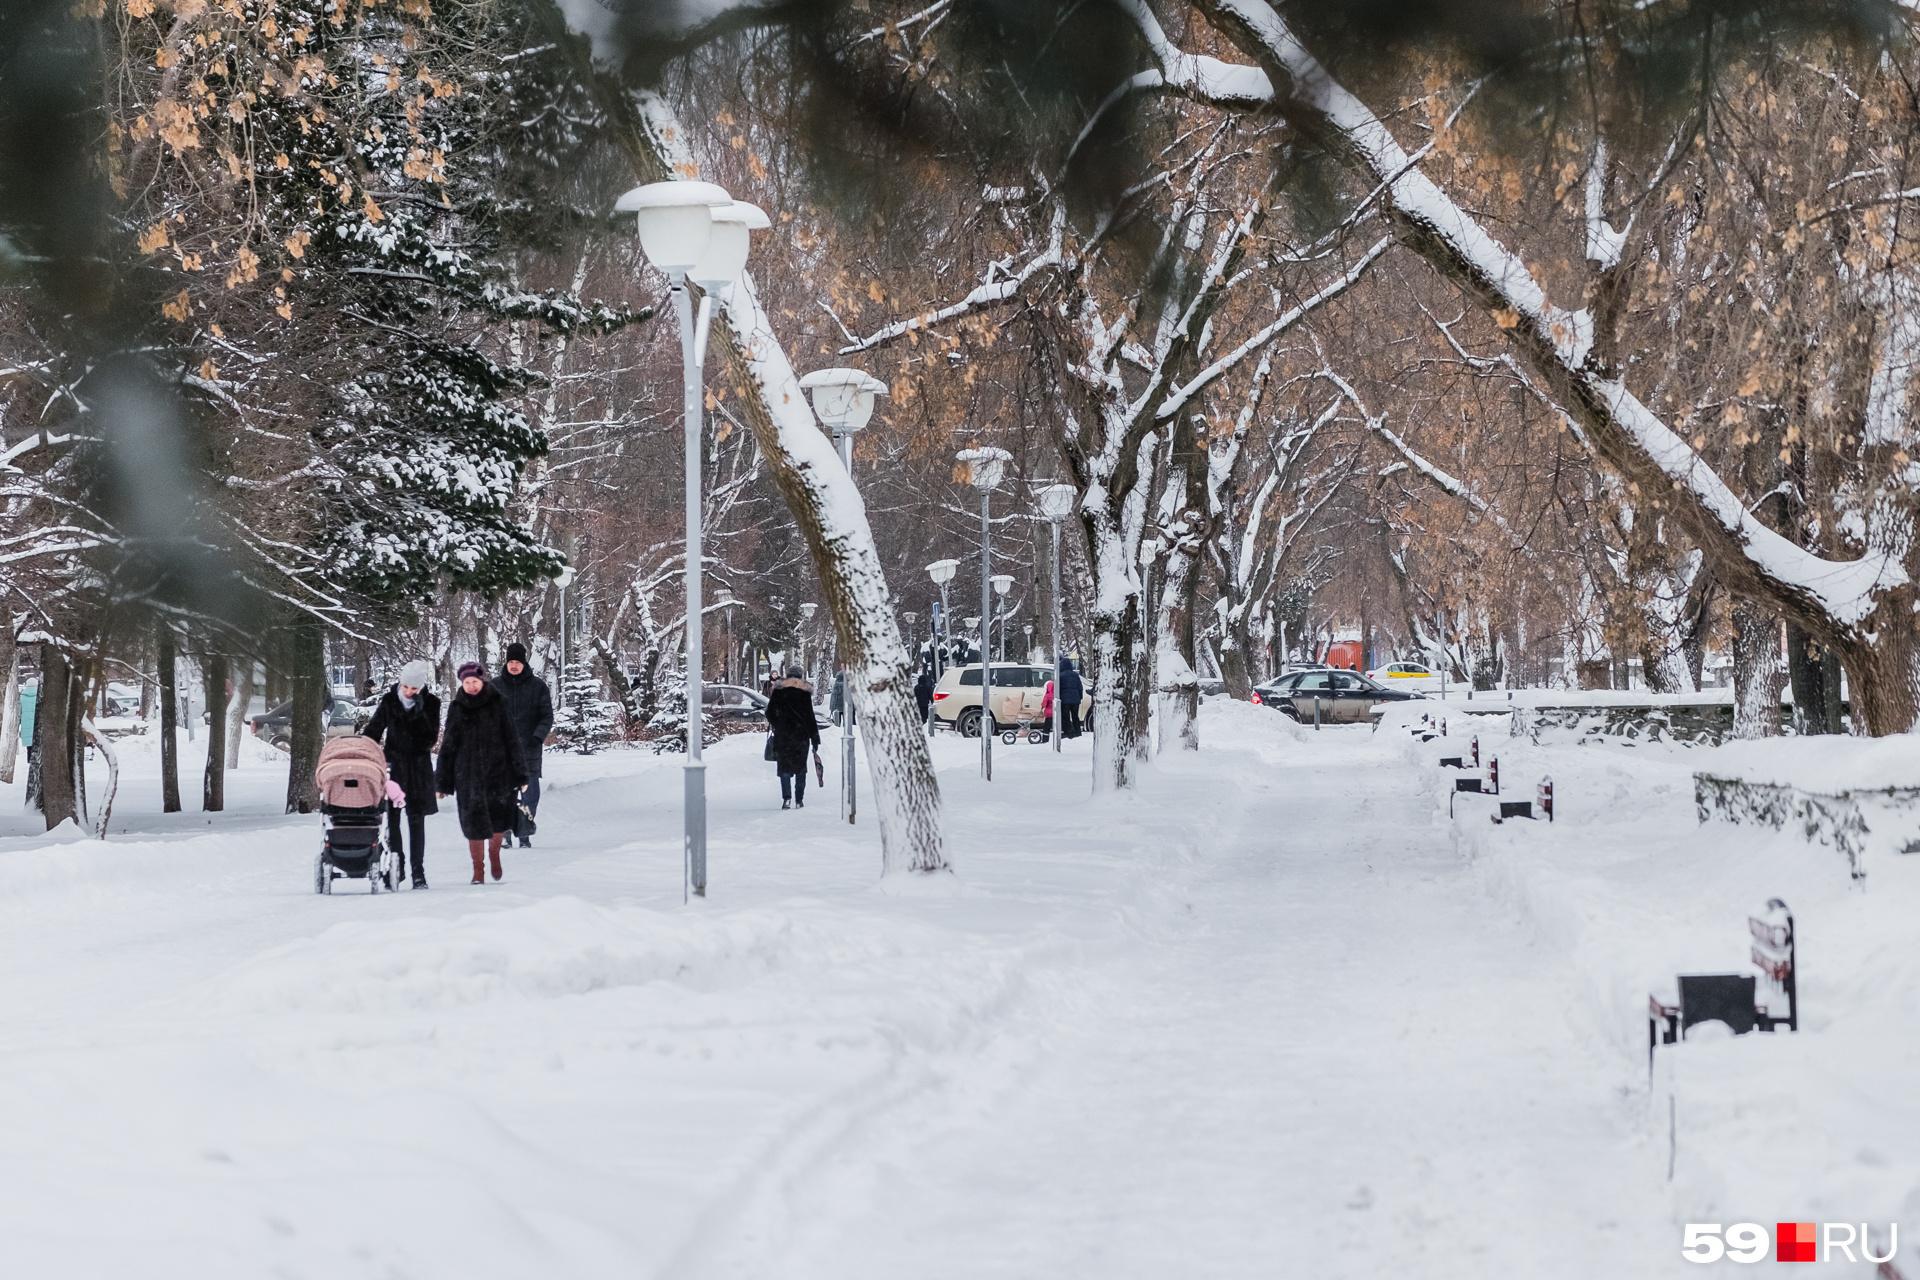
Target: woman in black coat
(790, 716)
(481, 764)
(406, 724)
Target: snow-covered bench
(1730, 997)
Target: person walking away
(1070, 692)
(923, 692)
(790, 716)
(481, 766)
(837, 699)
(530, 708)
(406, 724)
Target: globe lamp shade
(843, 398)
(985, 466)
(727, 248)
(942, 571)
(675, 221)
(1056, 501)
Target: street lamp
(941, 571)
(1027, 630)
(693, 232)
(1003, 583)
(806, 615)
(985, 467)
(843, 401)
(913, 633)
(1056, 504)
(560, 580)
(724, 598)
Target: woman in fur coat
(482, 766)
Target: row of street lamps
(695, 233)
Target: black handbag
(768, 754)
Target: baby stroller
(353, 806)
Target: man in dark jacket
(923, 692)
(1070, 691)
(790, 716)
(530, 708)
(406, 724)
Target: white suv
(1018, 691)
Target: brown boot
(478, 848)
(493, 853)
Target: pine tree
(669, 724)
(588, 723)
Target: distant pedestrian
(790, 716)
(406, 724)
(481, 764)
(837, 699)
(923, 692)
(1070, 691)
(530, 707)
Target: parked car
(732, 702)
(1018, 691)
(275, 727)
(1343, 697)
(1406, 675)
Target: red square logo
(1794, 1242)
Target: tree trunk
(54, 750)
(311, 696)
(213, 792)
(242, 675)
(1756, 670)
(818, 491)
(10, 712)
(169, 726)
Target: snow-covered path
(1257, 1016)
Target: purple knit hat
(472, 669)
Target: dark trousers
(793, 786)
(529, 805)
(416, 846)
(1069, 720)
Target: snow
(1270, 1006)
(1826, 765)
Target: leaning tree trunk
(213, 791)
(311, 695)
(818, 491)
(10, 712)
(169, 726)
(1756, 670)
(55, 754)
(1180, 593)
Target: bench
(1460, 761)
(1731, 997)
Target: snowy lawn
(1274, 1015)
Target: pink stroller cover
(352, 772)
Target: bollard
(1316, 711)
(1493, 775)
(1443, 726)
(1476, 751)
(1543, 796)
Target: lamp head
(1056, 501)
(1002, 583)
(562, 578)
(806, 611)
(675, 221)
(728, 246)
(843, 398)
(985, 465)
(973, 622)
(942, 571)
(911, 617)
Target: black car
(1341, 697)
(276, 726)
(733, 702)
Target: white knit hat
(418, 673)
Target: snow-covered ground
(1273, 1015)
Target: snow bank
(1828, 764)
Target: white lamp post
(1056, 504)
(843, 401)
(560, 580)
(1003, 583)
(806, 616)
(913, 633)
(693, 231)
(941, 571)
(985, 467)
(1027, 631)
